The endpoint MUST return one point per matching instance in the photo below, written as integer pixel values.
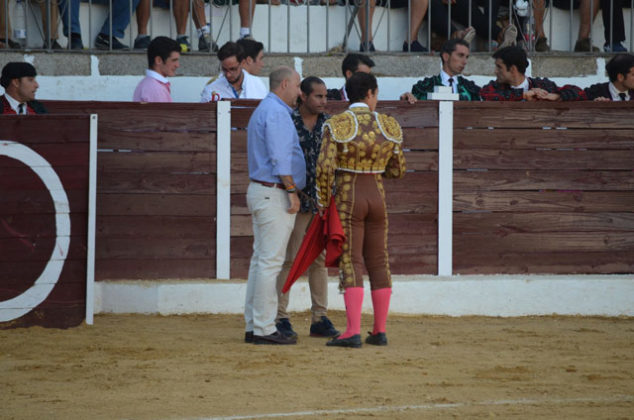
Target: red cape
(323, 232)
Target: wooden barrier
(412, 201)
(527, 199)
(156, 200)
(44, 184)
(543, 188)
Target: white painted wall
(501, 295)
(187, 89)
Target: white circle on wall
(39, 291)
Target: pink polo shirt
(153, 88)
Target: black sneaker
(54, 45)
(205, 43)
(415, 46)
(323, 328)
(353, 341)
(75, 42)
(102, 42)
(10, 44)
(370, 47)
(378, 339)
(284, 326)
(142, 42)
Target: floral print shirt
(310, 142)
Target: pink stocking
(353, 297)
(381, 304)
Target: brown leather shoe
(275, 338)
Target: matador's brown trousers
(360, 200)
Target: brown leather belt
(270, 184)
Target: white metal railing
(308, 26)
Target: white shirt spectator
(252, 88)
(614, 92)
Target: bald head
(278, 75)
(284, 82)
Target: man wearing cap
(18, 81)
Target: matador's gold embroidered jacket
(359, 140)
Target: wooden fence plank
(470, 181)
(538, 138)
(33, 128)
(548, 201)
(15, 177)
(156, 205)
(158, 227)
(422, 114)
(506, 223)
(149, 247)
(134, 116)
(154, 268)
(544, 159)
(165, 162)
(39, 202)
(610, 115)
(23, 250)
(469, 262)
(31, 226)
(156, 141)
(156, 183)
(542, 242)
(72, 154)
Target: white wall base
(500, 295)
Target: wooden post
(445, 178)
(223, 196)
(92, 211)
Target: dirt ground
(184, 367)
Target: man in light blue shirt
(277, 171)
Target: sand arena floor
(184, 367)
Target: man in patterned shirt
(309, 118)
(513, 85)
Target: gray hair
(278, 75)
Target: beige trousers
(43, 6)
(317, 273)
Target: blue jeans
(120, 17)
(75, 28)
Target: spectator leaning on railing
(621, 85)
(453, 56)
(513, 85)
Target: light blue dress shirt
(273, 144)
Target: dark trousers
(618, 27)
(460, 13)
